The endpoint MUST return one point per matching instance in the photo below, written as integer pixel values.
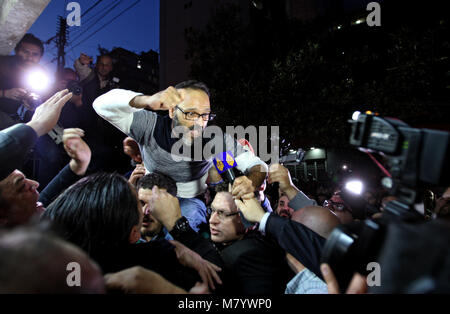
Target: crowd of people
(169, 225)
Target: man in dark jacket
(28, 53)
(104, 139)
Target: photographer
(13, 69)
(50, 152)
(105, 140)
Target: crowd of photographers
(232, 226)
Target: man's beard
(186, 138)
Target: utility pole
(61, 42)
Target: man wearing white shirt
(189, 108)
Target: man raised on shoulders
(189, 108)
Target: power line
(79, 30)
(107, 23)
(93, 24)
(93, 6)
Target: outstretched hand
(46, 115)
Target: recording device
(415, 158)
(114, 83)
(226, 166)
(74, 87)
(33, 100)
(293, 156)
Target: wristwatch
(181, 226)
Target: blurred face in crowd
(29, 53)
(186, 114)
(150, 226)
(283, 209)
(104, 66)
(446, 193)
(225, 223)
(337, 206)
(135, 233)
(370, 198)
(19, 197)
(65, 78)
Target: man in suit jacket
(257, 263)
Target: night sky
(136, 30)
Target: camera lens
(75, 88)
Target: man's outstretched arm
(119, 106)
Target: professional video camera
(416, 158)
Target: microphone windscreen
(224, 161)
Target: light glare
(38, 81)
(354, 186)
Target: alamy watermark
(73, 279)
(74, 17)
(265, 145)
(374, 277)
(374, 17)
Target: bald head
(34, 262)
(319, 219)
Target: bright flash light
(38, 81)
(359, 21)
(354, 186)
(356, 115)
(345, 167)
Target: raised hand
(163, 206)
(251, 209)
(78, 150)
(85, 59)
(137, 173)
(243, 188)
(279, 173)
(164, 100)
(46, 115)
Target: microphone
(226, 166)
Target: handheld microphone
(226, 166)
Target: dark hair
(222, 187)
(30, 39)
(96, 212)
(195, 85)
(160, 180)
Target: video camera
(416, 158)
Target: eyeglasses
(220, 213)
(193, 116)
(335, 206)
